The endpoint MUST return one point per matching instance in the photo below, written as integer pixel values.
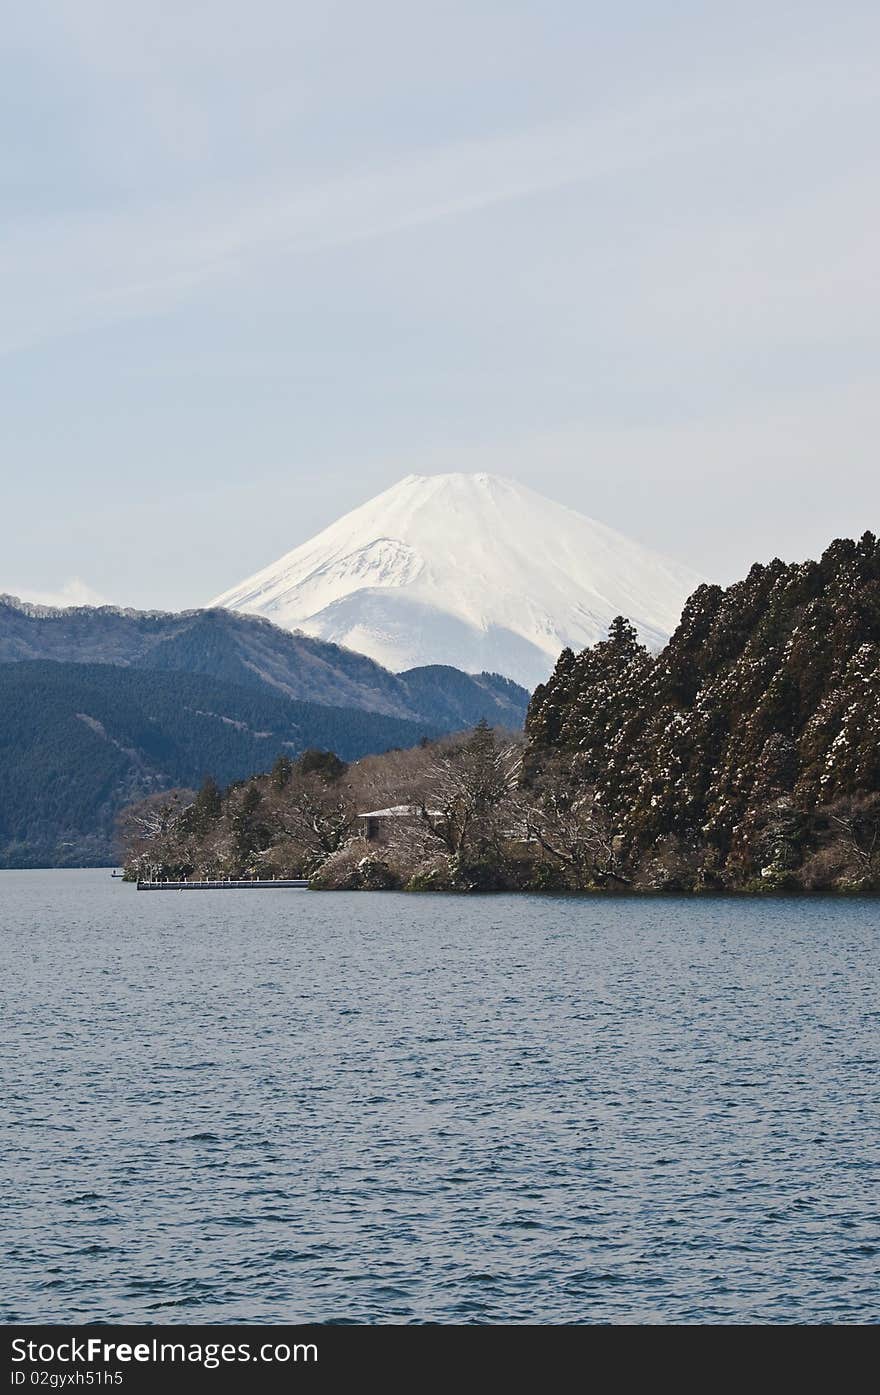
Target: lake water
(293, 1106)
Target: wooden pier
(279, 884)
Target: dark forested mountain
(464, 699)
(252, 652)
(80, 741)
(745, 754)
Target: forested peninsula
(743, 758)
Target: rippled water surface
(292, 1106)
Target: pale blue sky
(259, 261)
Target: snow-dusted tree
(849, 857)
(570, 824)
(467, 803)
(149, 831)
(316, 815)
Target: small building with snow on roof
(377, 821)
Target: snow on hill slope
(476, 571)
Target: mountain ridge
(251, 650)
(477, 571)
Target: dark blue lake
(293, 1106)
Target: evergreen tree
(281, 772)
(208, 801)
(325, 764)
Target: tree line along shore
(743, 758)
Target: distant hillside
(80, 741)
(746, 753)
(462, 700)
(252, 652)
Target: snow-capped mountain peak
(476, 571)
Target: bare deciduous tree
(856, 822)
(317, 816)
(468, 803)
(570, 824)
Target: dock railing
(224, 884)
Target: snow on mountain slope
(476, 571)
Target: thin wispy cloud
(68, 273)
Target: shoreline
(588, 894)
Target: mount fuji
(474, 571)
